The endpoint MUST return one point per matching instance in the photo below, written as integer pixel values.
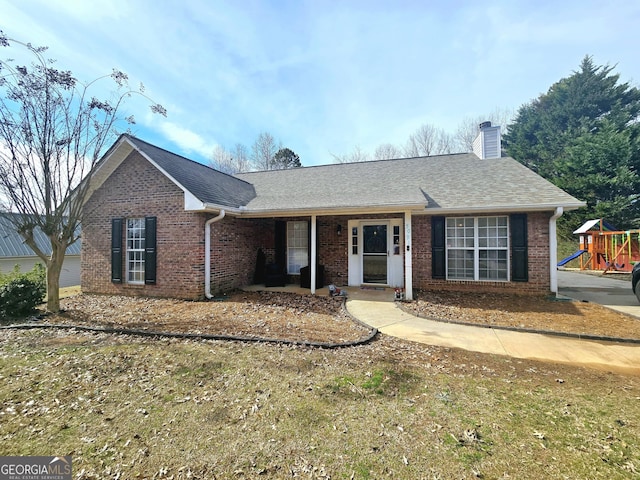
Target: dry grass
(126, 407)
(66, 292)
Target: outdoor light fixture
(339, 230)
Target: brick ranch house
(158, 224)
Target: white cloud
(324, 76)
(187, 140)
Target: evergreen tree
(285, 158)
(583, 135)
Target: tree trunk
(54, 268)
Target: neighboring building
(158, 224)
(13, 251)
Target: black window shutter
(116, 250)
(438, 253)
(519, 248)
(150, 250)
(281, 245)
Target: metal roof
(12, 244)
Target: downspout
(207, 253)
(553, 249)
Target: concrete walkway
(377, 308)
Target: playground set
(603, 247)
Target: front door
(375, 252)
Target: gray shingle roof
(12, 244)
(205, 183)
(448, 182)
(440, 184)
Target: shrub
(21, 293)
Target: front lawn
(127, 407)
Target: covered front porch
(308, 253)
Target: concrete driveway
(605, 290)
(377, 309)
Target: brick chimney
(487, 144)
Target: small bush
(21, 293)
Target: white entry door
(375, 252)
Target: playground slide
(564, 261)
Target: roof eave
(192, 204)
(416, 209)
(538, 207)
(300, 212)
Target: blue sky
(325, 76)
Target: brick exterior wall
(333, 249)
(137, 189)
(333, 255)
(234, 250)
(538, 251)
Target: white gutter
(489, 210)
(207, 253)
(553, 249)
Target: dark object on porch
(258, 276)
(305, 277)
(274, 276)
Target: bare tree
(263, 150)
(52, 135)
(468, 129)
(356, 155)
(427, 140)
(222, 160)
(387, 151)
(240, 156)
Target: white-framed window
(477, 248)
(135, 250)
(297, 246)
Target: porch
(373, 250)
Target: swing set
(604, 248)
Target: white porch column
(314, 249)
(408, 269)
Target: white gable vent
(487, 143)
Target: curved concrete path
(377, 308)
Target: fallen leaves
(279, 316)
